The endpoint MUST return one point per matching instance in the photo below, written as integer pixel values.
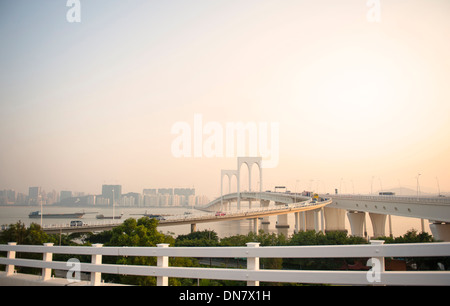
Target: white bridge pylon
(249, 161)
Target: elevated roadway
(287, 204)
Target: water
(11, 215)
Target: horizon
(143, 94)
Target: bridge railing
(375, 252)
(256, 195)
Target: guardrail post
(162, 262)
(96, 277)
(252, 263)
(377, 264)
(381, 259)
(47, 257)
(10, 255)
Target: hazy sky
(358, 103)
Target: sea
(13, 214)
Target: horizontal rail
(322, 251)
(376, 251)
(431, 278)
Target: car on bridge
(77, 223)
(219, 214)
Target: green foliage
(411, 236)
(132, 232)
(22, 235)
(33, 235)
(201, 238)
(265, 239)
(329, 238)
(319, 238)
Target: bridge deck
(194, 219)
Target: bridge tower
(229, 174)
(249, 161)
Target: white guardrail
(375, 252)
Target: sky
(360, 105)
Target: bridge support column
(264, 204)
(357, 220)
(297, 222)
(282, 220)
(322, 220)
(225, 206)
(309, 220)
(193, 227)
(303, 221)
(378, 224)
(255, 225)
(334, 219)
(440, 231)
(316, 221)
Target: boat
(37, 214)
(109, 217)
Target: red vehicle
(219, 213)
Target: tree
(201, 238)
(22, 235)
(319, 238)
(144, 233)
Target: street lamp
(114, 195)
(418, 186)
(371, 185)
(439, 189)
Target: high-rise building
(137, 198)
(184, 191)
(149, 191)
(34, 195)
(65, 194)
(34, 192)
(112, 192)
(7, 197)
(168, 191)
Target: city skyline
(148, 197)
(358, 101)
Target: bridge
(326, 214)
(355, 207)
(287, 204)
(380, 208)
